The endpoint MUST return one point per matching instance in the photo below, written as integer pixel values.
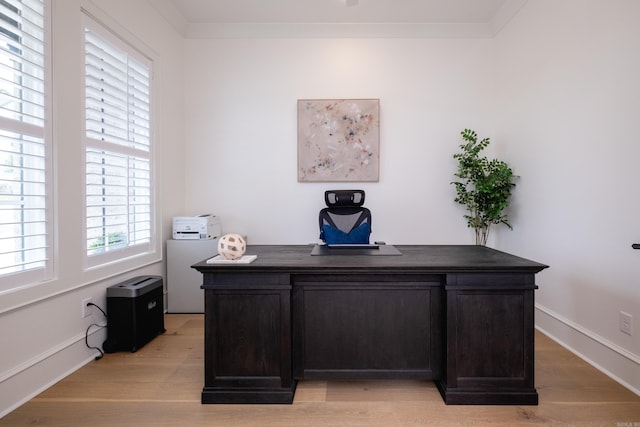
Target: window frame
(127, 44)
(19, 279)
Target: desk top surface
(419, 258)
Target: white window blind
(24, 161)
(118, 147)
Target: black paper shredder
(135, 313)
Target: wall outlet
(626, 323)
(86, 308)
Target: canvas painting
(338, 140)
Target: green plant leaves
(484, 186)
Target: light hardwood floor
(160, 385)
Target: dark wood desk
(462, 316)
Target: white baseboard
(39, 373)
(614, 361)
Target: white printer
(201, 227)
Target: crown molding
(338, 30)
(509, 9)
(212, 30)
(171, 14)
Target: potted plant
(484, 186)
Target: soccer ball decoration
(231, 246)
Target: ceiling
(325, 11)
(201, 17)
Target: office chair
(344, 220)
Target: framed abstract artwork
(338, 140)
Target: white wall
(557, 92)
(568, 106)
(41, 328)
(241, 120)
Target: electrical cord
(98, 307)
(86, 335)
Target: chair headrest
(344, 198)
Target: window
(25, 187)
(118, 146)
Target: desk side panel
(247, 341)
(490, 331)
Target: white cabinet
(183, 282)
